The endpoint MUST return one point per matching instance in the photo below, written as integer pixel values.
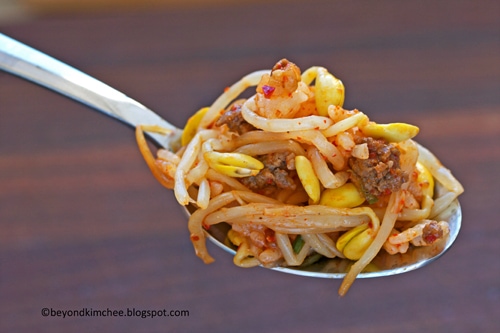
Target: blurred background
(12, 10)
(83, 224)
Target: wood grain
(85, 225)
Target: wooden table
(85, 226)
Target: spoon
(33, 65)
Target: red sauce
(430, 239)
(268, 91)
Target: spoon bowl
(383, 264)
(37, 67)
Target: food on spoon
(297, 176)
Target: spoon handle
(33, 65)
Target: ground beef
(234, 120)
(278, 173)
(380, 174)
(432, 232)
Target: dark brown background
(83, 224)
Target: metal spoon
(32, 65)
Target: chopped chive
(311, 259)
(298, 243)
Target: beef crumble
(234, 120)
(431, 232)
(278, 173)
(279, 167)
(380, 174)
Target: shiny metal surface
(33, 65)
